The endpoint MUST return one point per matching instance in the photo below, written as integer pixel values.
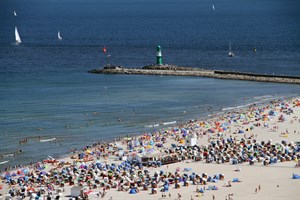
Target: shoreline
(286, 168)
(172, 70)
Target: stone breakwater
(171, 70)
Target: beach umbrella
(136, 142)
(43, 173)
(158, 163)
(272, 113)
(88, 151)
(81, 166)
(25, 171)
(19, 172)
(30, 189)
(220, 129)
(7, 176)
(151, 142)
(88, 192)
(192, 176)
(132, 191)
(217, 123)
(166, 187)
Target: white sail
(15, 14)
(213, 7)
(230, 53)
(58, 35)
(18, 39)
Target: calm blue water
(45, 90)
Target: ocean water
(45, 89)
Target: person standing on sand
(213, 197)
(179, 196)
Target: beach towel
(212, 187)
(187, 169)
(235, 180)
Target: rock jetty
(173, 70)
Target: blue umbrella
(132, 191)
(43, 172)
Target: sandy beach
(248, 153)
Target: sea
(46, 91)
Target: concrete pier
(171, 70)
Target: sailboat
(18, 39)
(59, 36)
(213, 7)
(230, 53)
(15, 14)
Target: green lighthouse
(158, 55)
